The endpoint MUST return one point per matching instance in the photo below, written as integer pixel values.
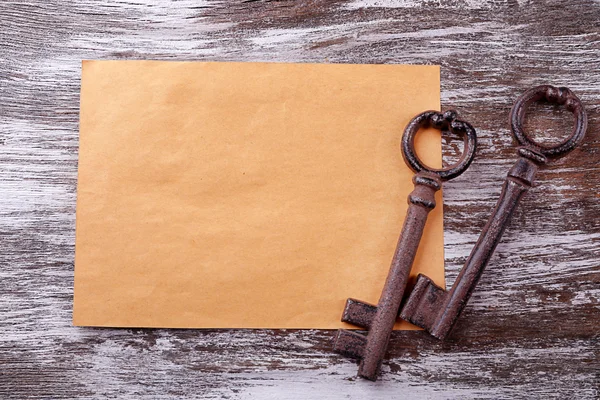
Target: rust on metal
(437, 310)
(380, 319)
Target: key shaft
(421, 201)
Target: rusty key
(379, 320)
(437, 310)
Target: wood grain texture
(532, 329)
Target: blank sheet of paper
(244, 195)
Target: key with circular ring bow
(437, 310)
(380, 319)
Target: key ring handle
(551, 94)
(446, 121)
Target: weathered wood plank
(531, 329)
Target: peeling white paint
(462, 4)
(545, 266)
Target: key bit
(380, 319)
(437, 310)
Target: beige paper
(244, 195)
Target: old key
(379, 320)
(435, 309)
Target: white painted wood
(531, 328)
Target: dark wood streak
(531, 328)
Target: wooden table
(532, 327)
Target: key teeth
(359, 313)
(351, 344)
(424, 302)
